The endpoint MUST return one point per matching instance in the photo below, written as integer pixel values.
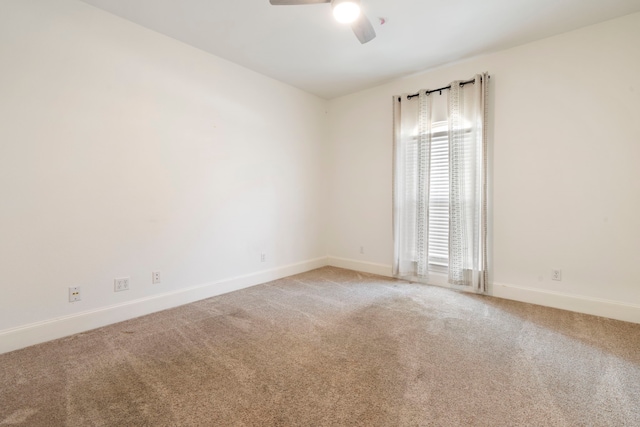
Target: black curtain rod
(439, 89)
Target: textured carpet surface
(334, 347)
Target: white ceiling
(304, 47)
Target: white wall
(565, 113)
(124, 152)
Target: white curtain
(440, 184)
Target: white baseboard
(580, 304)
(595, 306)
(36, 333)
(366, 267)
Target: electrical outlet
(362, 250)
(155, 277)
(556, 275)
(121, 284)
(74, 294)
(263, 257)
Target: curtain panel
(440, 184)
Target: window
(438, 206)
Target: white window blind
(438, 247)
(439, 197)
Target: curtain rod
(439, 89)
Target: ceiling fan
(345, 11)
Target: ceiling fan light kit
(345, 11)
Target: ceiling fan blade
(363, 29)
(294, 2)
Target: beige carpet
(334, 347)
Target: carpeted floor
(334, 347)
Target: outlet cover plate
(74, 294)
(121, 284)
(155, 277)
